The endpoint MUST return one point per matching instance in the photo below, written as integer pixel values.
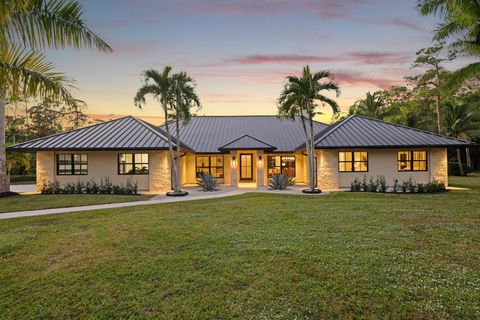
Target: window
(412, 161)
(72, 164)
(281, 164)
(353, 161)
(210, 164)
(133, 163)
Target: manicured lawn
(255, 256)
(33, 202)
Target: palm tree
(184, 99)
(460, 21)
(372, 106)
(461, 123)
(161, 86)
(300, 97)
(26, 27)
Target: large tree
(184, 99)
(160, 85)
(301, 97)
(26, 28)
(460, 22)
(372, 106)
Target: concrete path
(22, 188)
(195, 194)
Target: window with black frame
(210, 164)
(72, 164)
(133, 163)
(281, 164)
(412, 160)
(353, 161)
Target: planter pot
(177, 194)
(314, 191)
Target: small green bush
(396, 186)
(207, 182)
(69, 188)
(356, 185)
(382, 184)
(79, 186)
(372, 185)
(364, 184)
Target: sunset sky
(240, 51)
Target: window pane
(341, 156)
(219, 161)
(419, 165)
(345, 166)
(419, 155)
(288, 162)
(274, 161)
(138, 157)
(404, 166)
(360, 156)
(360, 166)
(403, 155)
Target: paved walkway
(194, 194)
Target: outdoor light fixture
(234, 161)
(259, 161)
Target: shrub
(51, 187)
(131, 187)
(372, 185)
(382, 184)
(280, 181)
(411, 186)
(364, 184)
(435, 186)
(356, 185)
(69, 188)
(421, 188)
(207, 182)
(79, 187)
(106, 186)
(396, 186)
(91, 187)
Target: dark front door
(246, 166)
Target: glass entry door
(246, 166)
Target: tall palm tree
(461, 123)
(372, 106)
(160, 86)
(26, 28)
(184, 99)
(460, 21)
(300, 97)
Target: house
(242, 149)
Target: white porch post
(260, 172)
(233, 168)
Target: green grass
(255, 256)
(34, 202)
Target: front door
(246, 166)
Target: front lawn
(34, 202)
(255, 256)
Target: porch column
(260, 164)
(233, 168)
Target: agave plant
(207, 182)
(280, 181)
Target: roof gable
(359, 131)
(247, 142)
(120, 134)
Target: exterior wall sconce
(260, 161)
(234, 161)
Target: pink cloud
(353, 79)
(359, 57)
(397, 21)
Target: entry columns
(260, 171)
(233, 168)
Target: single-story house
(242, 149)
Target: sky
(240, 51)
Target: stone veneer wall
(439, 165)
(45, 168)
(159, 171)
(327, 171)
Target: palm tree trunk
(440, 117)
(308, 147)
(170, 152)
(178, 148)
(459, 158)
(4, 183)
(469, 158)
(311, 159)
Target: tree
(461, 123)
(460, 22)
(434, 76)
(160, 86)
(26, 27)
(184, 99)
(300, 97)
(372, 106)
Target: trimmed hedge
(90, 187)
(409, 186)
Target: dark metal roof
(128, 133)
(247, 142)
(205, 134)
(359, 131)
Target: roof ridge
(407, 127)
(248, 115)
(332, 128)
(246, 135)
(70, 131)
(149, 126)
